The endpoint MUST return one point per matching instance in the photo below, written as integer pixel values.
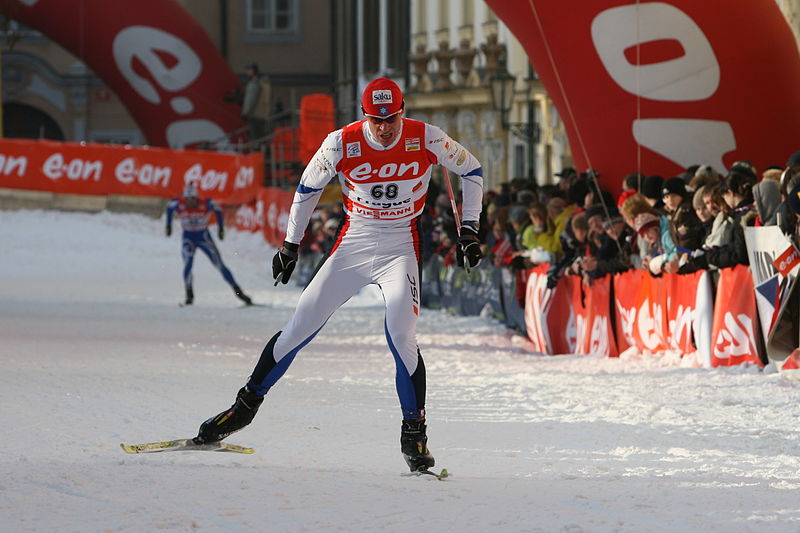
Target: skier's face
(385, 130)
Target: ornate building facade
(458, 49)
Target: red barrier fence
(651, 315)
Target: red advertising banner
(651, 331)
(276, 206)
(153, 54)
(599, 337)
(267, 214)
(734, 327)
(681, 309)
(579, 299)
(666, 80)
(99, 169)
(626, 306)
(537, 298)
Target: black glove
(221, 233)
(168, 230)
(284, 261)
(552, 281)
(469, 246)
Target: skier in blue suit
(194, 214)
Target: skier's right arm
(318, 173)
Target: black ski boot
(189, 297)
(414, 444)
(241, 295)
(238, 416)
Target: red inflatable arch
(153, 54)
(658, 86)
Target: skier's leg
(211, 250)
(400, 284)
(336, 281)
(330, 288)
(187, 253)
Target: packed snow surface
(96, 351)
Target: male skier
(384, 166)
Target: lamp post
(502, 87)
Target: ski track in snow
(95, 351)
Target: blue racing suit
(194, 221)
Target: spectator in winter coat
(613, 255)
(684, 226)
(738, 195)
(631, 208)
(722, 227)
(658, 254)
(576, 245)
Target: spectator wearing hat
(566, 177)
(576, 245)
(618, 245)
(658, 254)
(684, 226)
(745, 167)
(651, 189)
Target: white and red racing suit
(383, 191)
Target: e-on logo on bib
(364, 171)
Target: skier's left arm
(455, 158)
(212, 206)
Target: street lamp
(502, 87)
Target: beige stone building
(458, 49)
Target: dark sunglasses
(389, 120)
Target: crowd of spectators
(680, 224)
